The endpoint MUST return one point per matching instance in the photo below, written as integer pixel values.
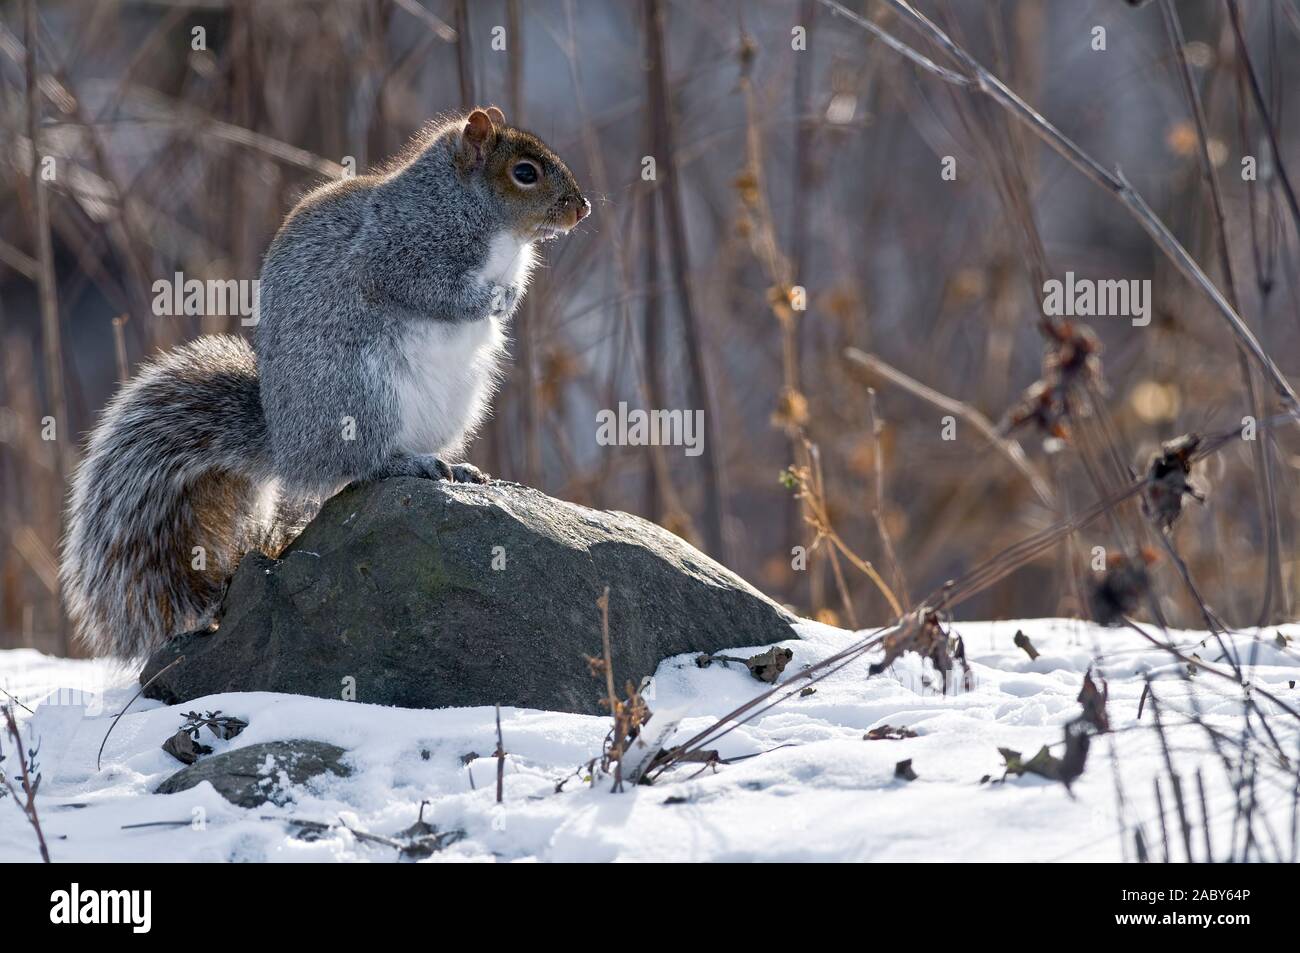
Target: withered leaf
(1046, 765)
(768, 666)
(888, 733)
(765, 666)
(425, 840)
(1071, 360)
(226, 727)
(904, 770)
(1167, 481)
(306, 830)
(923, 634)
(1021, 641)
(1043, 763)
(1094, 700)
(184, 748)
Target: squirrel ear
(496, 115)
(475, 137)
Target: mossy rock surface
(427, 594)
(256, 774)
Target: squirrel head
(538, 194)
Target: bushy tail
(176, 486)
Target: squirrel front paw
(504, 299)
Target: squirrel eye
(525, 174)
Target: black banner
(142, 902)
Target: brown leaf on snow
(768, 666)
(1044, 764)
(1021, 641)
(765, 666)
(1078, 738)
(888, 733)
(184, 748)
(1093, 700)
(922, 633)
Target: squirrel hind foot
(468, 473)
(430, 467)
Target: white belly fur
(509, 261)
(451, 369)
(444, 389)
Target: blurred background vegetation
(776, 169)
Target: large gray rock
(259, 773)
(427, 594)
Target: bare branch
(1006, 446)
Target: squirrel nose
(584, 209)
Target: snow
(815, 790)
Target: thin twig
(464, 55)
(875, 426)
(817, 514)
(1205, 816)
(845, 599)
(1008, 447)
(159, 674)
(14, 698)
(675, 222)
(1177, 784)
(20, 261)
(1263, 463)
(1257, 94)
(1164, 831)
(119, 348)
(28, 802)
(51, 333)
(603, 604)
(501, 760)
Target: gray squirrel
(377, 346)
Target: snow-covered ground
(816, 790)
